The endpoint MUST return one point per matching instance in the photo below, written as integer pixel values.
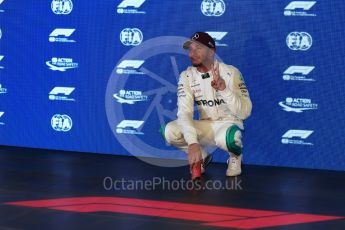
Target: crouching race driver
(223, 103)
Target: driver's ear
(212, 51)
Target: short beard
(197, 65)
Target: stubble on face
(197, 54)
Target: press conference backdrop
(101, 76)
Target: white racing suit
(221, 113)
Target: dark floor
(44, 189)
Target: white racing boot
(234, 165)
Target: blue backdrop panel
(100, 76)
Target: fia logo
(299, 41)
(131, 36)
(61, 123)
(213, 8)
(62, 6)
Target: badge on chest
(205, 75)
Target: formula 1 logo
(296, 137)
(61, 94)
(130, 7)
(63, 7)
(61, 35)
(298, 73)
(213, 8)
(129, 127)
(129, 67)
(218, 36)
(299, 8)
(299, 41)
(220, 216)
(131, 36)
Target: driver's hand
(194, 153)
